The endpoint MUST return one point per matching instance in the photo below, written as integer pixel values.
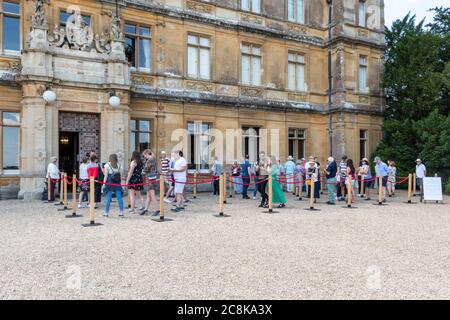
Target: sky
(397, 9)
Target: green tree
(417, 84)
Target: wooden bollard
(414, 184)
(74, 195)
(66, 201)
(380, 190)
(311, 198)
(161, 198)
(61, 188)
(230, 184)
(270, 194)
(363, 185)
(129, 198)
(91, 201)
(410, 176)
(49, 186)
(221, 194)
(195, 186)
(224, 183)
(349, 192)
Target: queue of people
(298, 176)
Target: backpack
(115, 176)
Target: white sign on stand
(432, 189)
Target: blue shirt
(381, 169)
(244, 168)
(290, 167)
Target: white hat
(418, 160)
(330, 159)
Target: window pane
(256, 71)
(204, 64)
(130, 50)
(362, 14)
(245, 4)
(11, 33)
(144, 31)
(300, 11)
(301, 58)
(192, 39)
(11, 7)
(292, 57)
(133, 142)
(256, 51)
(144, 141)
(291, 9)
(204, 42)
(130, 28)
(362, 78)
(10, 148)
(291, 76)
(133, 124)
(144, 125)
(63, 16)
(256, 6)
(192, 62)
(191, 127)
(300, 77)
(11, 119)
(300, 148)
(144, 54)
(245, 48)
(246, 69)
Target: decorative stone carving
(40, 124)
(39, 20)
(364, 99)
(10, 65)
(120, 129)
(79, 36)
(297, 96)
(199, 86)
(116, 34)
(41, 155)
(252, 92)
(142, 80)
(197, 6)
(363, 33)
(297, 28)
(251, 18)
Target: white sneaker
(130, 210)
(167, 200)
(106, 215)
(254, 198)
(80, 206)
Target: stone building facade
(250, 65)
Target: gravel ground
(398, 251)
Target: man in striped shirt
(342, 172)
(165, 165)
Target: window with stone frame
(297, 143)
(296, 11)
(199, 57)
(10, 142)
(363, 143)
(199, 140)
(10, 16)
(138, 42)
(251, 5)
(362, 11)
(140, 135)
(251, 64)
(296, 71)
(362, 74)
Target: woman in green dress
(277, 191)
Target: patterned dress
(136, 178)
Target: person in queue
(263, 175)
(52, 173)
(366, 176)
(381, 170)
(179, 171)
(135, 181)
(331, 172)
(277, 191)
(112, 180)
(150, 171)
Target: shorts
(368, 184)
(179, 187)
(84, 185)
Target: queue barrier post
(92, 222)
(410, 189)
(222, 196)
(61, 190)
(300, 186)
(74, 199)
(311, 196)
(230, 183)
(195, 186)
(363, 185)
(162, 217)
(49, 186)
(64, 192)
